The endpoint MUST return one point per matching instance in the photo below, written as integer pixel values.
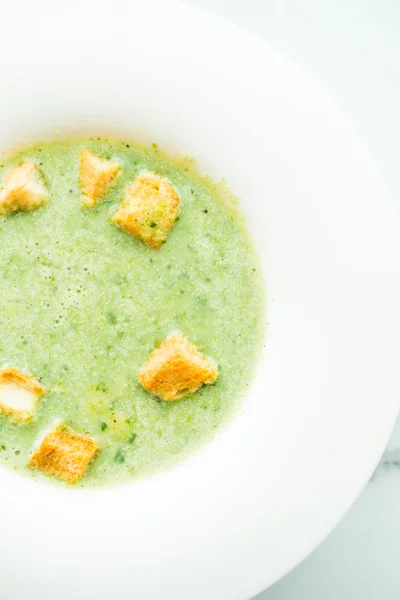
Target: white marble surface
(352, 48)
(360, 559)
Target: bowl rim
(248, 582)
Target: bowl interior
(249, 505)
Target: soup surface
(83, 304)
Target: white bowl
(248, 506)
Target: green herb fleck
(132, 438)
(153, 224)
(111, 318)
(103, 426)
(119, 457)
(101, 387)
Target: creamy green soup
(83, 303)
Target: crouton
(149, 209)
(97, 176)
(19, 394)
(176, 369)
(64, 454)
(23, 190)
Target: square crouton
(149, 209)
(176, 369)
(19, 394)
(23, 190)
(97, 176)
(64, 454)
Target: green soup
(83, 303)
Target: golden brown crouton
(23, 190)
(64, 454)
(19, 394)
(97, 176)
(149, 209)
(176, 369)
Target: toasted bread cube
(23, 190)
(149, 209)
(176, 369)
(97, 176)
(64, 454)
(19, 394)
